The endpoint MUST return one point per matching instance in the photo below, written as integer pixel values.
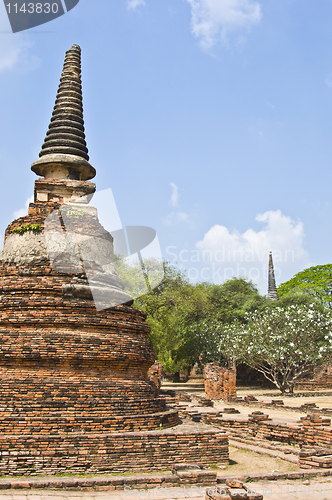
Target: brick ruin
(155, 373)
(219, 382)
(312, 433)
(318, 378)
(75, 391)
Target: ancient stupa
(272, 287)
(75, 393)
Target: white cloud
(175, 195)
(328, 81)
(231, 253)
(215, 20)
(178, 216)
(134, 4)
(14, 48)
(175, 218)
(23, 211)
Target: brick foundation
(310, 459)
(90, 453)
(318, 379)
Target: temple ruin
(272, 287)
(75, 391)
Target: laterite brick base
(116, 452)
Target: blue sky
(211, 120)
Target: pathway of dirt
(316, 489)
(258, 451)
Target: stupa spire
(64, 154)
(272, 288)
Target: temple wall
(117, 452)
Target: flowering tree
(282, 343)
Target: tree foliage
(282, 343)
(315, 281)
(232, 322)
(176, 307)
(233, 299)
(169, 308)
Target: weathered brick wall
(320, 378)
(77, 452)
(219, 382)
(311, 458)
(60, 355)
(313, 430)
(75, 391)
(64, 366)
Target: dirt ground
(248, 462)
(318, 489)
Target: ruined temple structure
(220, 382)
(75, 392)
(272, 288)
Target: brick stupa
(75, 393)
(272, 287)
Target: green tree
(315, 281)
(225, 303)
(170, 307)
(175, 305)
(233, 299)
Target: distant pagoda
(272, 288)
